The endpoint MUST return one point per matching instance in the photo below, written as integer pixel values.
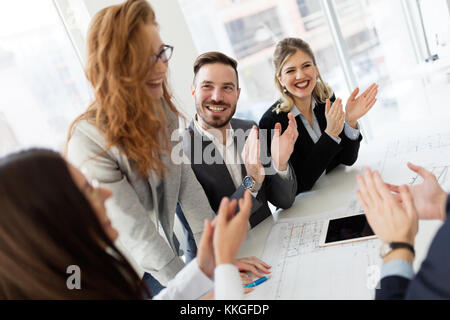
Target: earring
(284, 89)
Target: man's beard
(217, 124)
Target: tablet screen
(348, 228)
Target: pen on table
(257, 282)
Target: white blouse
(191, 283)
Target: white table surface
(332, 191)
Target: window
(244, 36)
(311, 12)
(379, 49)
(249, 30)
(308, 7)
(355, 43)
(43, 81)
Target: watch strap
(256, 187)
(387, 248)
(402, 245)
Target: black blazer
(433, 279)
(217, 182)
(308, 159)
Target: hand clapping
(429, 197)
(358, 107)
(231, 229)
(391, 220)
(223, 236)
(335, 117)
(283, 145)
(251, 157)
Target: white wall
(93, 6)
(174, 31)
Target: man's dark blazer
(310, 160)
(433, 279)
(217, 182)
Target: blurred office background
(403, 45)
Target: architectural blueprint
(303, 270)
(431, 151)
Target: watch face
(248, 182)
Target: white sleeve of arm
(254, 194)
(351, 133)
(337, 140)
(189, 284)
(286, 174)
(228, 283)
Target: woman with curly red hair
(122, 139)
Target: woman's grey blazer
(140, 207)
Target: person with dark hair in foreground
(53, 219)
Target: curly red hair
(118, 69)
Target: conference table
(332, 191)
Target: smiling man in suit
(225, 151)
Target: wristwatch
(386, 248)
(250, 184)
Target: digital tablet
(345, 230)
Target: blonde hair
(118, 66)
(283, 51)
